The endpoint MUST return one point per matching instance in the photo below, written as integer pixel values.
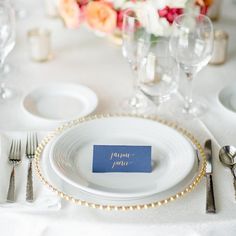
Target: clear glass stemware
(158, 72)
(135, 44)
(191, 44)
(7, 42)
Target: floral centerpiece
(107, 15)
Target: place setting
(77, 144)
(106, 169)
(95, 161)
(82, 160)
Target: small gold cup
(220, 47)
(40, 44)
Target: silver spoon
(227, 157)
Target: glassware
(158, 78)
(191, 44)
(7, 42)
(19, 8)
(134, 46)
(20, 11)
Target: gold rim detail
(70, 124)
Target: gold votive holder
(40, 44)
(220, 46)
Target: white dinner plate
(227, 97)
(60, 102)
(173, 157)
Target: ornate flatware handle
(29, 186)
(234, 187)
(210, 201)
(11, 189)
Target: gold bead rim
(189, 188)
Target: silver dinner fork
(31, 145)
(14, 159)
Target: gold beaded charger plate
(97, 199)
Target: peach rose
(70, 12)
(101, 16)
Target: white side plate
(227, 97)
(60, 102)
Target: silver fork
(14, 159)
(31, 145)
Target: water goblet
(158, 78)
(191, 44)
(19, 8)
(134, 46)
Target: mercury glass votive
(220, 47)
(40, 44)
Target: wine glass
(134, 45)
(20, 11)
(158, 78)
(7, 42)
(191, 44)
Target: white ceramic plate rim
(77, 193)
(110, 194)
(226, 89)
(92, 97)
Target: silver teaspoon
(227, 157)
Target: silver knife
(210, 200)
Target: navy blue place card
(120, 158)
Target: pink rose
(120, 17)
(170, 13)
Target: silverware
(210, 200)
(14, 159)
(227, 157)
(31, 145)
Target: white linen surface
(45, 200)
(82, 58)
(186, 216)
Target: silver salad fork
(14, 159)
(31, 145)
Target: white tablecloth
(81, 57)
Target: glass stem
(135, 79)
(134, 101)
(188, 100)
(2, 62)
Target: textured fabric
(81, 57)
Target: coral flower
(70, 12)
(101, 16)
